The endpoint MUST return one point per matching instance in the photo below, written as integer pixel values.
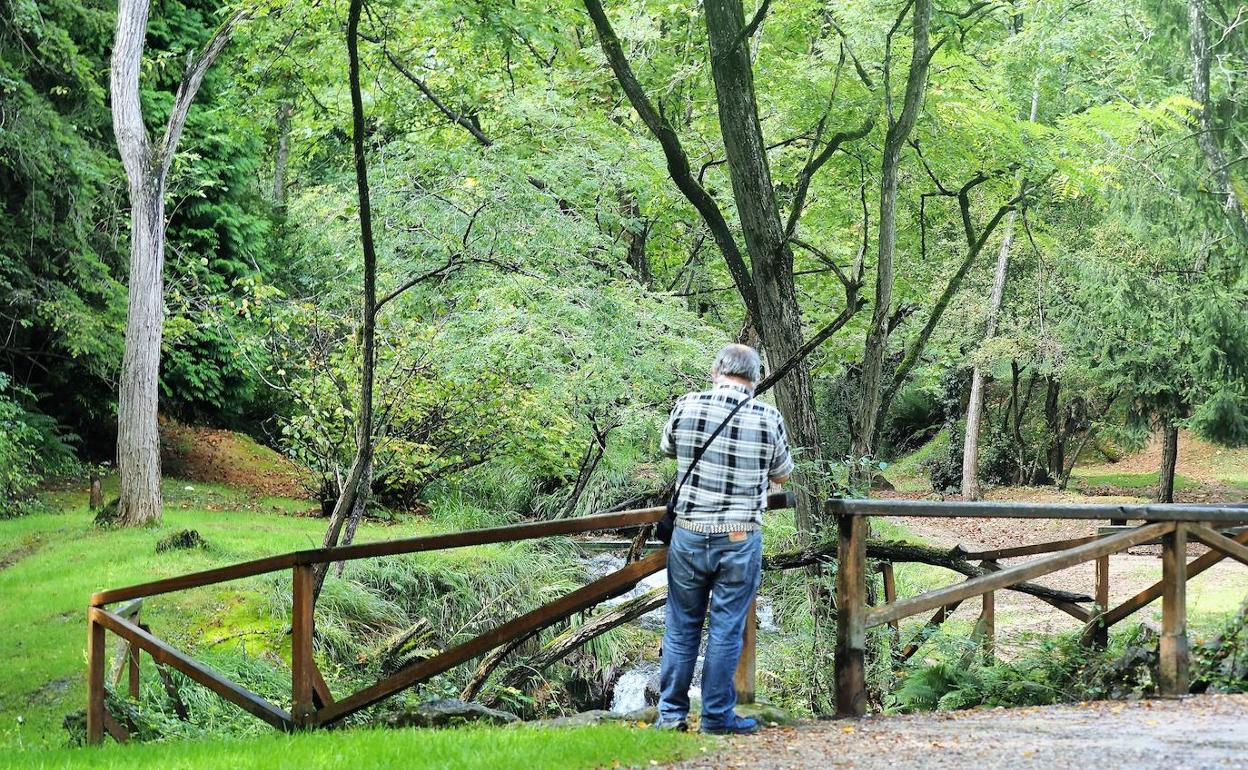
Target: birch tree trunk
(147, 166)
(975, 407)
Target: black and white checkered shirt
(727, 491)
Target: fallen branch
(559, 647)
(824, 552)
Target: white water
(630, 689)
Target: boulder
(449, 712)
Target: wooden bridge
(314, 706)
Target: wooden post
(95, 680)
(1174, 649)
(744, 680)
(302, 709)
(1100, 635)
(851, 633)
(890, 591)
(986, 627)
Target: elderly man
(716, 552)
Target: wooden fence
(312, 704)
(1171, 525)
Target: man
(717, 546)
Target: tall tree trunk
(1055, 456)
(1169, 461)
(1207, 131)
(871, 379)
(147, 167)
(355, 487)
(771, 259)
(138, 434)
(281, 159)
(975, 406)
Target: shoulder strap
(697, 455)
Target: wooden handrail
(1226, 514)
(163, 653)
(1168, 524)
(1010, 575)
(505, 534)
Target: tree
(1207, 131)
(147, 166)
(766, 285)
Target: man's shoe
(675, 725)
(738, 726)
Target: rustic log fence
(312, 703)
(1170, 525)
(314, 706)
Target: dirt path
(1198, 733)
(1218, 590)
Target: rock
(449, 712)
(653, 690)
(765, 713)
(649, 715)
(878, 482)
(107, 515)
(591, 717)
(184, 540)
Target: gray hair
(738, 361)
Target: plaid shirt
(727, 491)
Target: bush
(913, 419)
(944, 470)
(31, 448)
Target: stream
(637, 686)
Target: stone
(583, 719)
(647, 714)
(765, 713)
(449, 712)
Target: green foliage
(31, 447)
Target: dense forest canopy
(547, 284)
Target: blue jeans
(706, 569)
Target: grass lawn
(461, 749)
(53, 562)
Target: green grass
(463, 749)
(1085, 480)
(59, 558)
(909, 472)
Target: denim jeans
(706, 569)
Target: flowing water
(630, 691)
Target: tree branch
(196, 68)
(677, 161)
(855, 304)
(808, 172)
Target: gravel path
(1197, 733)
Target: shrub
(31, 448)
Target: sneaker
(675, 725)
(738, 726)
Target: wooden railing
(312, 704)
(1171, 525)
